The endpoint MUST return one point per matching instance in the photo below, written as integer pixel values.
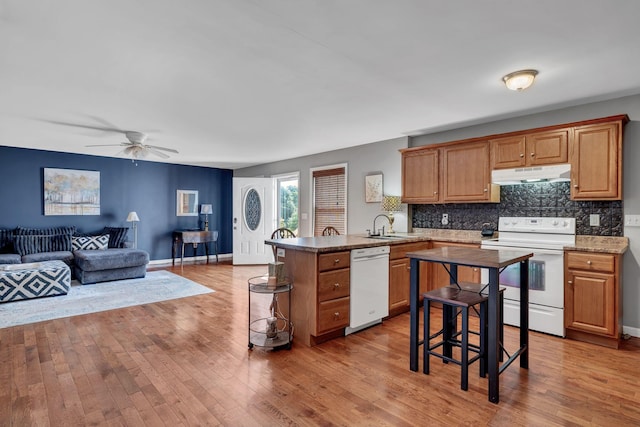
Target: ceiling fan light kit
(520, 80)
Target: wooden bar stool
(453, 299)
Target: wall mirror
(187, 203)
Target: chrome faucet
(377, 232)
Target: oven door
(546, 273)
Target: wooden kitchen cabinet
(593, 311)
(540, 148)
(400, 275)
(595, 153)
(420, 176)
(439, 276)
(466, 174)
(333, 291)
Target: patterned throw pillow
(118, 236)
(100, 242)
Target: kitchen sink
(386, 237)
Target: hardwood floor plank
(186, 362)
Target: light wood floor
(186, 362)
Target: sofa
(93, 258)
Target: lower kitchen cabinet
(400, 276)
(592, 294)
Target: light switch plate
(594, 220)
(280, 252)
(632, 220)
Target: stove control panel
(547, 225)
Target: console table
(495, 261)
(194, 237)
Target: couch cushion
(6, 241)
(66, 256)
(110, 258)
(10, 259)
(49, 231)
(117, 236)
(90, 242)
(31, 244)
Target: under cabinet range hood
(525, 175)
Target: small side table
(274, 330)
(194, 237)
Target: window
(329, 200)
(288, 202)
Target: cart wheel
(250, 346)
(289, 345)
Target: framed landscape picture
(71, 192)
(373, 188)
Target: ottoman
(34, 280)
(93, 266)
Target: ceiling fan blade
(80, 125)
(107, 145)
(157, 153)
(171, 150)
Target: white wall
(383, 156)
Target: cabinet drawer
(590, 261)
(333, 284)
(400, 251)
(333, 314)
(334, 260)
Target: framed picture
(187, 203)
(373, 188)
(71, 192)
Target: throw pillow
(34, 244)
(118, 235)
(90, 242)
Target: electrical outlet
(280, 253)
(632, 220)
(594, 220)
(445, 219)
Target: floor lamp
(133, 218)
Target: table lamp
(206, 210)
(133, 218)
(391, 204)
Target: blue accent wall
(149, 188)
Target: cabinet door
(439, 275)
(508, 152)
(547, 148)
(466, 173)
(399, 276)
(590, 302)
(420, 176)
(595, 155)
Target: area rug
(82, 299)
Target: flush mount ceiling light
(520, 80)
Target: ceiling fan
(135, 147)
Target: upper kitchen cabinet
(466, 174)
(595, 154)
(420, 176)
(533, 149)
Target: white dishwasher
(369, 300)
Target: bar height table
(495, 261)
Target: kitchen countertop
(605, 244)
(320, 244)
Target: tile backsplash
(540, 199)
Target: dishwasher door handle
(370, 257)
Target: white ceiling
(232, 83)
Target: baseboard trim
(634, 332)
(188, 260)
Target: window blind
(329, 200)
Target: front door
(253, 220)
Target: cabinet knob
(409, 268)
(521, 155)
(336, 315)
(486, 190)
(336, 285)
(570, 282)
(533, 154)
(336, 261)
(589, 262)
(435, 192)
(575, 185)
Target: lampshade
(206, 209)
(132, 217)
(520, 80)
(390, 203)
